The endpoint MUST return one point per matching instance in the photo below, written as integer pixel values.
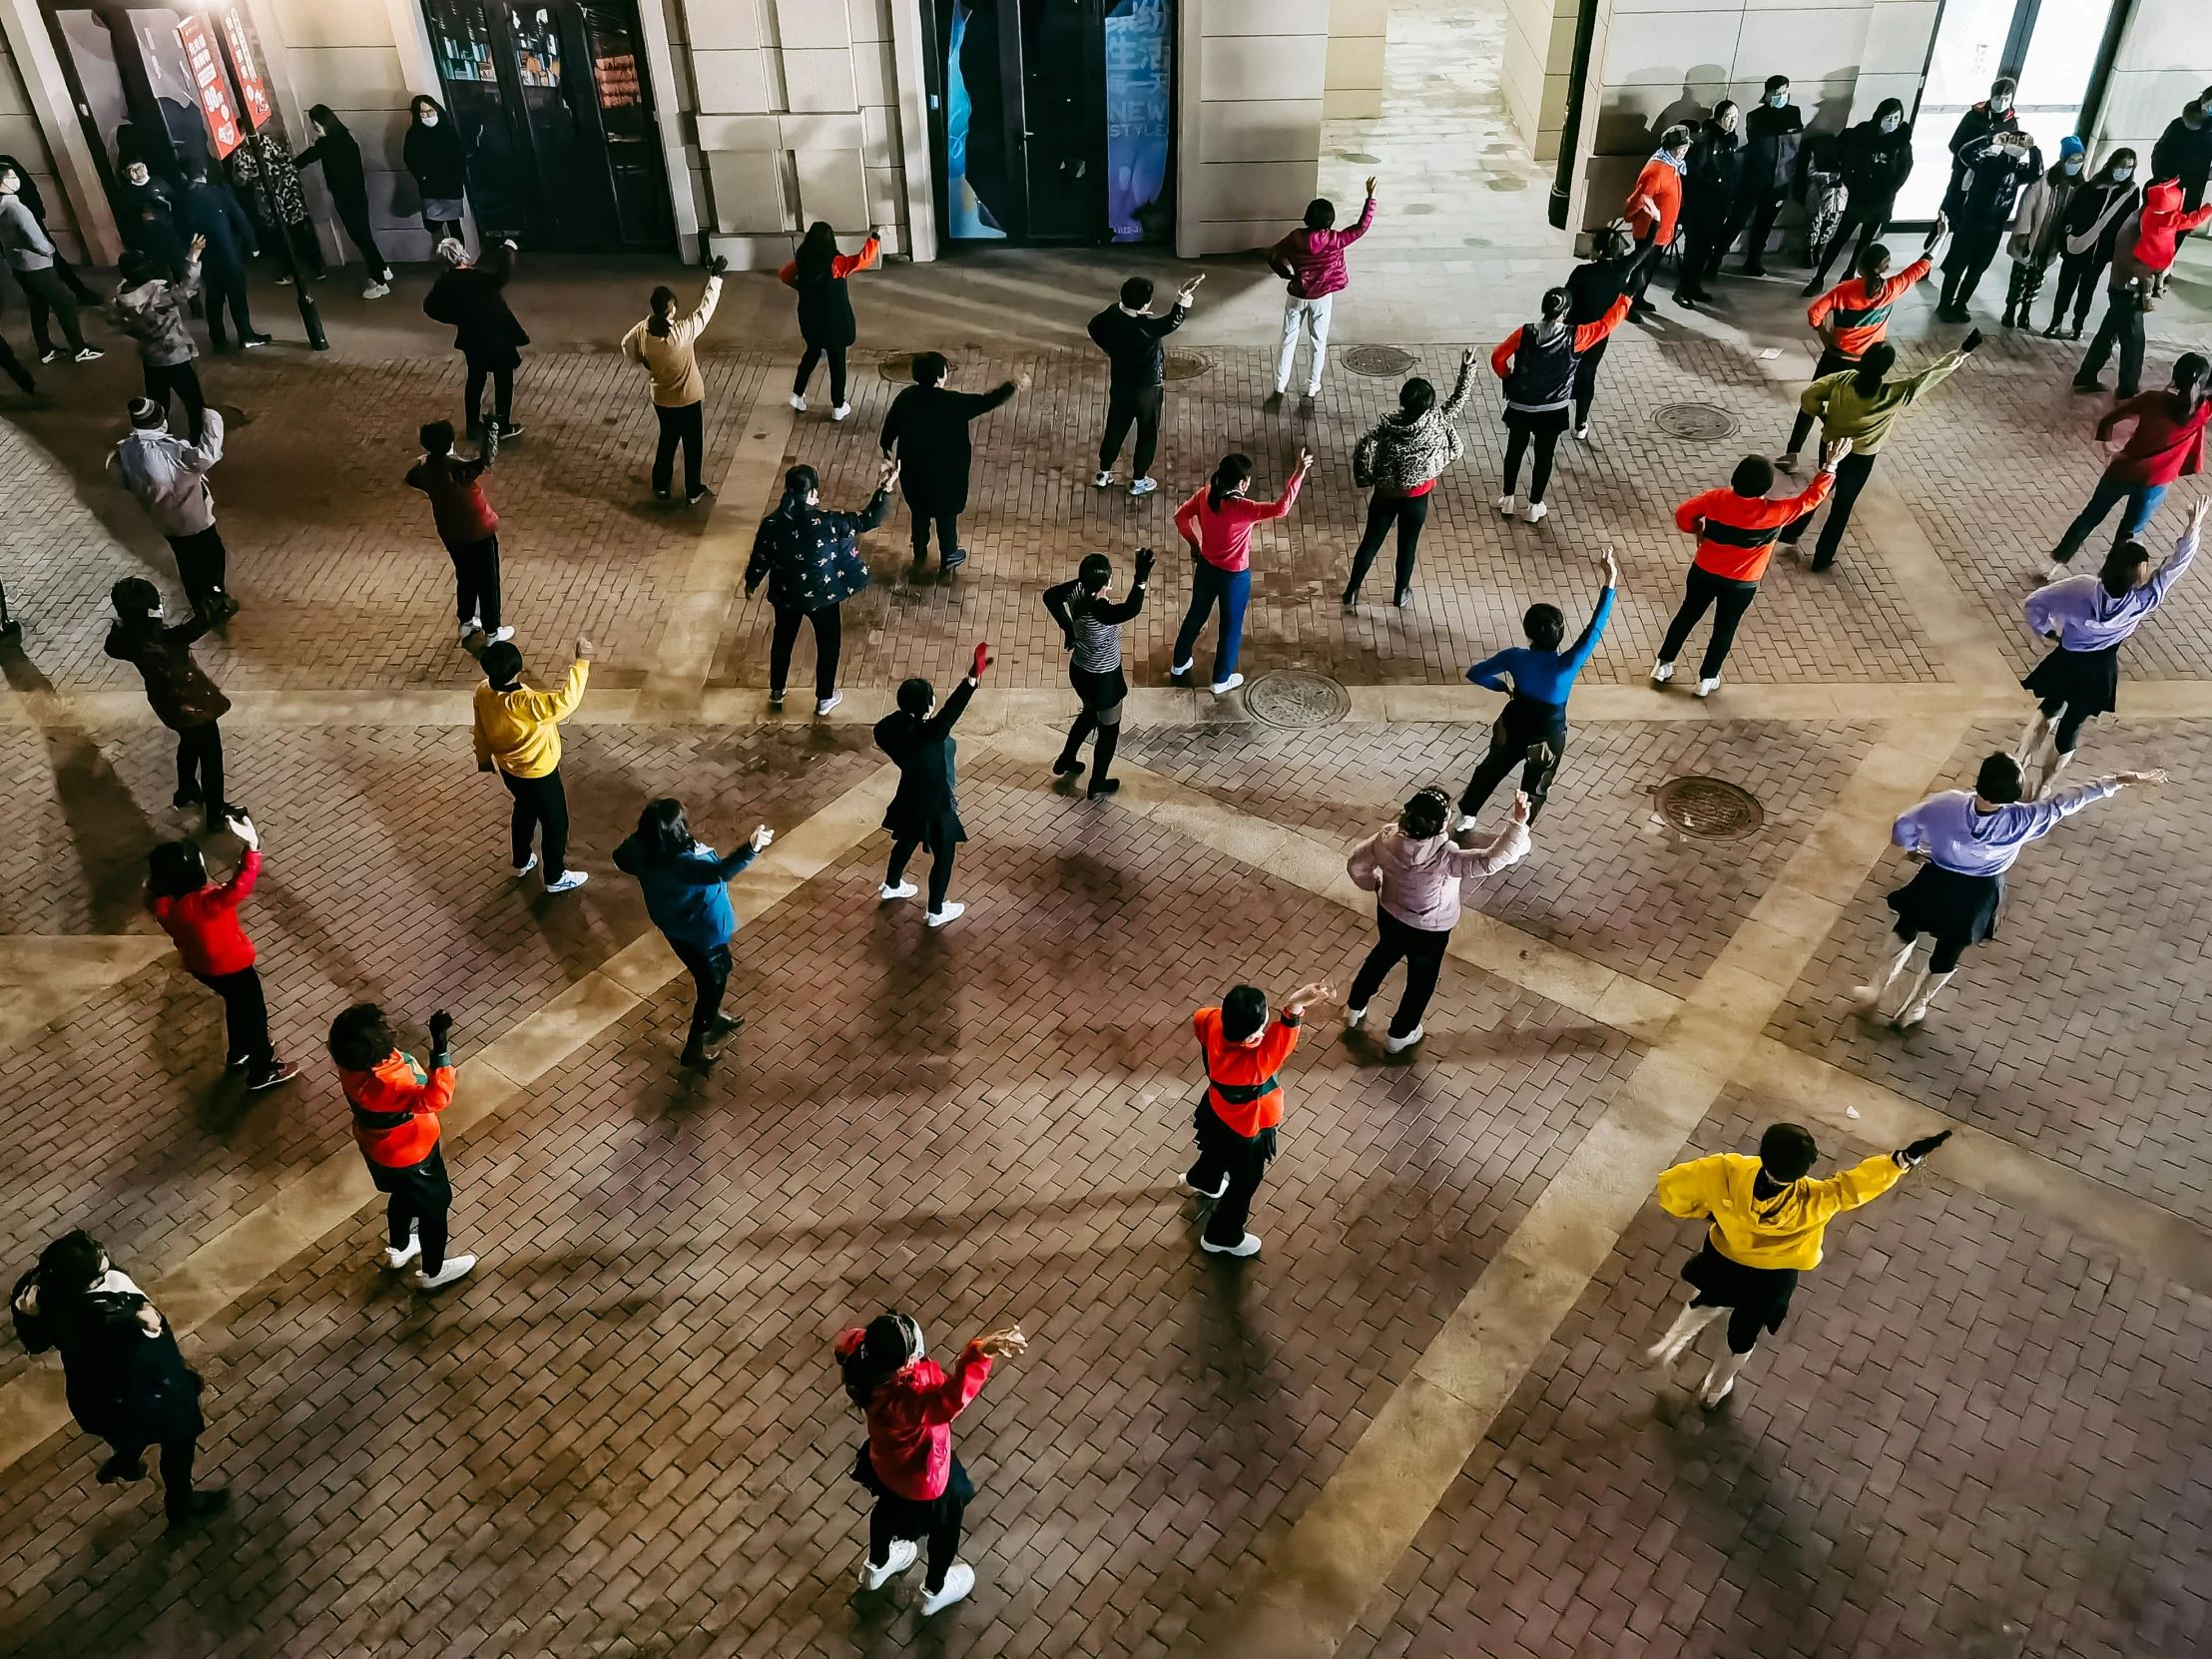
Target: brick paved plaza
(1417, 1424)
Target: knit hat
(2070, 145)
(146, 412)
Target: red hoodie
(2164, 224)
(909, 1421)
(204, 925)
(395, 1109)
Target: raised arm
(1366, 220)
(1585, 646)
(940, 1405)
(843, 265)
(939, 724)
(1459, 387)
(2185, 549)
(706, 303)
(969, 406)
(1587, 334)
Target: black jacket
(1876, 164)
(473, 299)
(2091, 204)
(178, 692)
(1136, 358)
(1716, 174)
(343, 174)
(928, 428)
(1772, 138)
(923, 749)
(124, 1385)
(210, 210)
(1977, 124)
(1594, 285)
(1990, 179)
(809, 556)
(437, 158)
(2183, 153)
(150, 221)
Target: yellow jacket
(1783, 1231)
(516, 730)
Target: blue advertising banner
(1137, 114)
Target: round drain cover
(1710, 809)
(900, 366)
(1186, 365)
(1696, 422)
(1293, 697)
(1379, 360)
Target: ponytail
(1556, 303)
(890, 1343)
(1234, 471)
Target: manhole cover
(1697, 422)
(900, 367)
(1186, 366)
(1292, 697)
(1379, 360)
(1710, 809)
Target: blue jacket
(809, 556)
(1543, 676)
(210, 210)
(684, 897)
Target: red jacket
(1224, 538)
(1314, 260)
(395, 1110)
(456, 492)
(909, 1421)
(842, 265)
(2167, 444)
(1239, 1078)
(1862, 309)
(1663, 183)
(204, 925)
(2163, 225)
(1738, 533)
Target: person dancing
(1243, 1104)
(665, 346)
(1539, 364)
(810, 557)
(1768, 1222)
(924, 812)
(2166, 444)
(2090, 617)
(1217, 522)
(1090, 628)
(203, 918)
(1968, 838)
(818, 271)
(1852, 317)
(396, 1107)
(687, 898)
(1399, 459)
(1531, 730)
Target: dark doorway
(552, 101)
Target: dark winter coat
(1135, 346)
(1772, 139)
(179, 691)
(1990, 185)
(1709, 189)
(210, 210)
(928, 430)
(473, 299)
(343, 174)
(124, 1383)
(923, 808)
(810, 557)
(437, 158)
(1876, 164)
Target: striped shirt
(1092, 629)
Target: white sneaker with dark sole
(456, 1267)
(1249, 1245)
(1143, 486)
(1505, 506)
(375, 290)
(1661, 673)
(903, 1553)
(1177, 671)
(1201, 1192)
(823, 704)
(524, 869)
(397, 1259)
(1102, 480)
(499, 634)
(958, 1582)
(1223, 687)
(1398, 1045)
(952, 911)
(570, 880)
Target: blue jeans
(2142, 501)
(1233, 590)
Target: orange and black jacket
(1736, 533)
(1858, 311)
(396, 1107)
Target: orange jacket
(1861, 312)
(1664, 185)
(1736, 533)
(1240, 1077)
(395, 1109)
(842, 265)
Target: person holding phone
(918, 736)
(684, 882)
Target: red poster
(206, 67)
(257, 108)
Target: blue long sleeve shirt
(1545, 676)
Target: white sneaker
(397, 1259)
(570, 880)
(456, 1267)
(375, 290)
(1582, 433)
(958, 1582)
(524, 869)
(1352, 1017)
(90, 354)
(1201, 1192)
(1706, 688)
(1143, 486)
(1398, 1045)
(904, 890)
(953, 911)
(2057, 572)
(799, 402)
(903, 1553)
(823, 704)
(1102, 480)
(1249, 1245)
(468, 628)
(1466, 822)
(1179, 670)
(841, 411)
(1661, 673)
(1535, 513)
(1228, 685)
(498, 634)
(1505, 506)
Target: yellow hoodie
(516, 730)
(1783, 1231)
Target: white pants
(1313, 315)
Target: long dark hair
(67, 1271)
(332, 128)
(415, 109)
(1234, 470)
(815, 253)
(2104, 172)
(174, 869)
(665, 831)
(888, 1346)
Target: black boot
(2011, 318)
(1109, 740)
(1069, 763)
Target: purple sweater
(1314, 260)
(1423, 883)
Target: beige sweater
(668, 359)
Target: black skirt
(1721, 1283)
(915, 1518)
(937, 831)
(1098, 691)
(2086, 682)
(1951, 906)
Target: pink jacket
(1423, 883)
(1223, 539)
(1314, 260)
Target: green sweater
(1846, 413)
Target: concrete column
(1357, 30)
(2165, 59)
(1253, 75)
(38, 123)
(1539, 54)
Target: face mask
(9, 184)
(2121, 175)
(135, 173)
(2071, 168)
(429, 120)
(1780, 99)
(1891, 123)
(2000, 105)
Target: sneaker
(236, 1062)
(282, 1072)
(775, 702)
(52, 355)
(1249, 1245)
(697, 496)
(1661, 673)
(1351, 603)
(1201, 1192)
(1143, 486)
(823, 704)
(1505, 506)
(1582, 433)
(397, 1259)
(1786, 463)
(198, 1506)
(1101, 786)
(1306, 406)
(507, 430)
(1274, 401)
(523, 870)
(953, 911)
(499, 634)
(904, 890)
(250, 342)
(842, 412)
(1706, 688)
(957, 1583)
(1398, 1045)
(904, 1552)
(118, 1468)
(1228, 685)
(1535, 513)
(1403, 598)
(2055, 573)
(284, 282)
(799, 402)
(1067, 765)
(1101, 479)
(948, 563)
(1175, 673)
(456, 1267)
(570, 880)
(375, 290)
(90, 354)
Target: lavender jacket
(1424, 882)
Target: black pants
(940, 870)
(1971, 251)
(74, 282)
(2122, 327)
(502, 392)
(1585, 382)
(1703, 243)
(1421, 949)
(477, 581)
(948, 535)
(1243, 1159)
(200, 768)
(1755, 216)
(814, 353)
(1851, 474)
(1866, 222)
(828, 638)
(540, 804)
(1109, 740)
(1648, 256)
(417, 1199)
(181, 378)
(1516, 445)
(1728, 600)
(2021, 288)
(2067, 733)
(946, 1514)
(12, 366)
(686, 426)
(1409, 513)
(2077, 282)
(44, 296)
(244, 1021)
(353, 214)
(1127, 405)
(709, 965)
(1831, 362)
(1523, 725)
(201, 564)
(225, 287)
(177, 1459)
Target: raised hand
(1307, 995)
(1608, 563)
(1835, 455)
(585, 649)
(242, 828)
(1370, 184)
(1304, 461)
(1522, 807)
(1144, 560)
(442, 1029)
(1920, 1149)
(1466, 357)
(1008, 1344)
(719, 266)
(2157, 775)
(198, 246)
(983, 660)
(761, 837)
